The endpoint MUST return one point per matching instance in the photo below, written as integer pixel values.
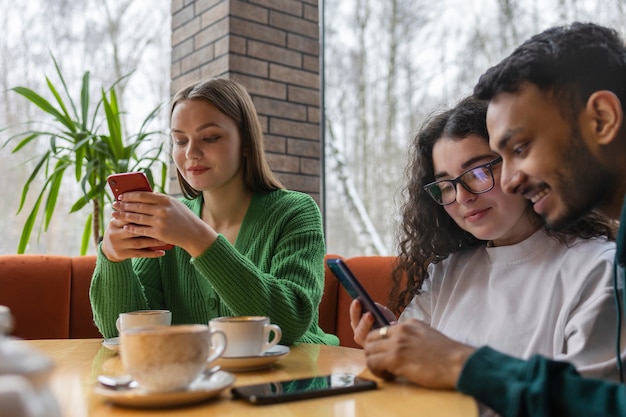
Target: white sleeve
(419, 307)
(590, 328)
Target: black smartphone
(132, 181)
(356, 291)
(301, 389)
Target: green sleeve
(115, 287)
(538, 387)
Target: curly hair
(428, 234)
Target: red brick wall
(271, 47)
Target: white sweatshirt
(535, 297)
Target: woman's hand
(362, 323)
(142, 220)
(119, 244)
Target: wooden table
(79, 361)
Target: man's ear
(606, 113)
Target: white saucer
(200, 390)
(252, 363)
(113, 343)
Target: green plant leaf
(84, 101)
(113, 121)
(94, 193)
(63, 116)
(92, 144)
(28, 226)
(64, 84)
(43, 104)
(25, 142)
(30, 179)
(54, 186)
(84, 243)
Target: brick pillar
(272, 48)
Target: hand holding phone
(132, 181)
(304, 388)
(356, 291)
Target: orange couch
(49, 294)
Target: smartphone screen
(300, 389)
(131, 181)
(356, 291)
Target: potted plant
(89, 143)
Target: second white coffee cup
(247, 335)
(143, 318)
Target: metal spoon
(211, 371)
(117, 382)
(126, 382)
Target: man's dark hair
(570, 62)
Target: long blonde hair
(232, 99)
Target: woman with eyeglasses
(478, 265)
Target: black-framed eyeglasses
(476, 180)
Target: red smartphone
(128, 181)
(132, 181)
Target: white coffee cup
(247, 335)
(143, 318)
(169, 358)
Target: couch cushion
(328, 305)
(37, 290)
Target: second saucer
(253, 363)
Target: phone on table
(304, 388)
(356, 291)
(132, 181)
